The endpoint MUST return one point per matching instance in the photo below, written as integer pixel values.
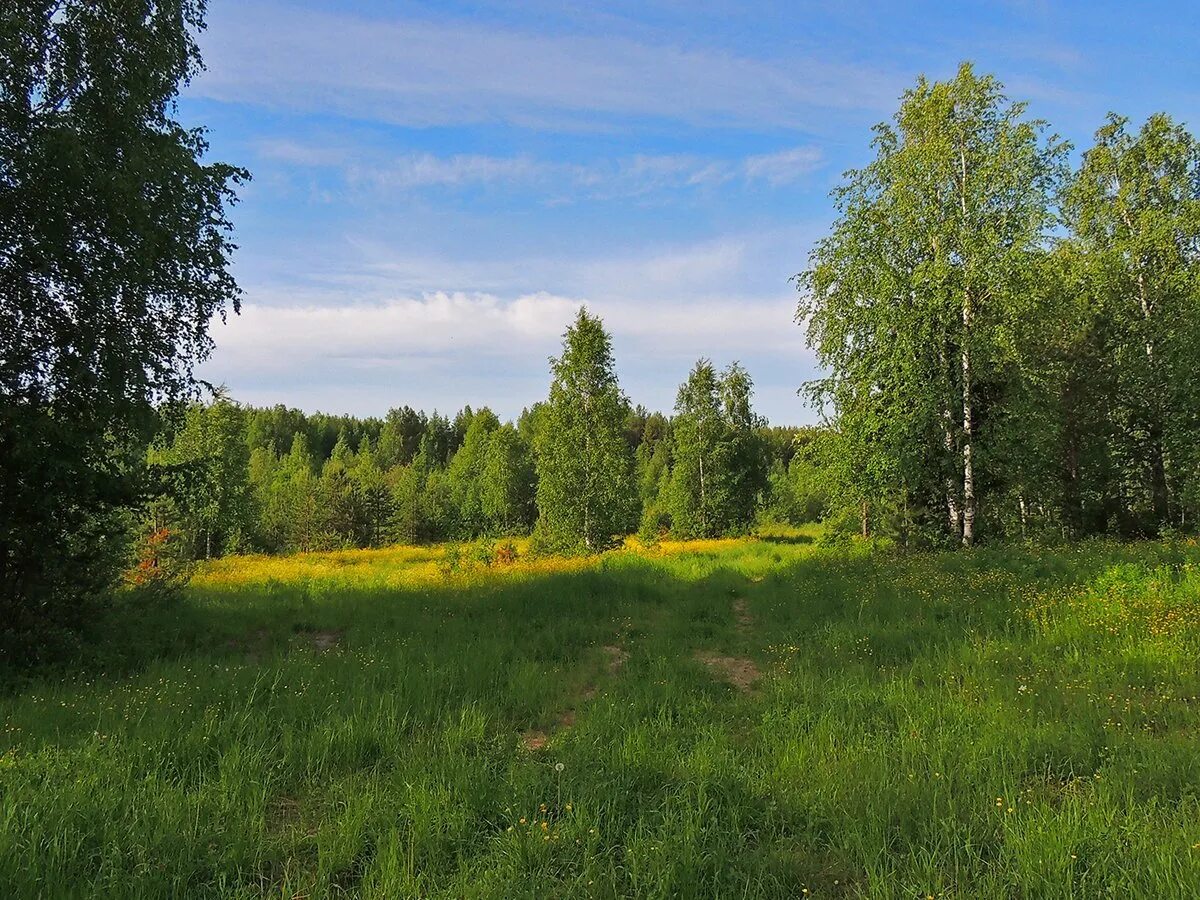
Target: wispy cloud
(422, 72)
(426, 170)
(783, 167)
(630, 176)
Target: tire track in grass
(742, 673)
(534, 739)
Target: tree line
(578, 471)
(1012, 344)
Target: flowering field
(753, 718)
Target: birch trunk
(968, 498)
(1158, 467)
(952, 511)
(968, 510)
(1159, 491)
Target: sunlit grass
(1004, 723)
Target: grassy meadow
(764, 717)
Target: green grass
(1002, 723)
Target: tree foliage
(114, 251)
(1010, 347)
(585, 492)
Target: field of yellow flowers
(764, 717)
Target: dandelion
(558, 767)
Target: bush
(506, 553)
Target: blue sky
(437, 187)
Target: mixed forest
(1011, 350)
(940, 645)
(1008, 331)
(578, 471)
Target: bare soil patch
(741, 614)
(617, 657)
(739, 672)
(534, 740)
(322, 640)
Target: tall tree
(373, 500)
(507, 482)
(585, 493)
(746, 458)
(699, 462)
(907, 297)
(400, 437)
(298, 487)
(720, 463)
(465, 477)
(213, 494)
(1134, 208)
(114, 251)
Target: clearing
(749, 718)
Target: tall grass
(1003, 723)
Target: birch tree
(586, 494)
(1134, 209)
(905, 300)
(699, 434)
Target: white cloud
(418, 72)
(400, 341)
(446, 349)
(275, 338)
(301, 154)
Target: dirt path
(616, 656)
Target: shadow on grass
(787, 539)
(907, 603)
